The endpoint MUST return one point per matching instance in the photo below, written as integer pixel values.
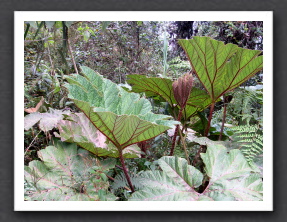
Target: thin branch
(184, 145)
(73, 59)
(27, 149)
(50, 58)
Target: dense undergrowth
(118, 119)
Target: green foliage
(246, 34)
(197, 102)
(179, 152)
(247, 106)
(179, 66)
(78, 129)
(116, 48)
(174, 183)
(154, 86)
(250, 140)
(230, 179)
(113, 119)
(124, 118)
(219, 67)
(68, 173)
(121, 181)
(165, 50)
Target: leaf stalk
(126, 171)
(223, 119)
(175, 133)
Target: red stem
(209, 119)
(223, 121)
(126, 171)
(175, 133)
(202, 147)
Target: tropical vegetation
(143, 111)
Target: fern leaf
(121, 181)
(250, 139)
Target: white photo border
(21, 16)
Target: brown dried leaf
(35, 109)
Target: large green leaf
(197, 102)
(79, 129)
(230, 178)
(221, 67)
(176, 182)
(64, 174)
(153, 86)
(123, 117)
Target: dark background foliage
(6, 129)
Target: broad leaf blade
(160, 187)
(153, 86)
(219, 67)
(179, 169)
(79, 129)
(124, 118)
(61, 175)
(231, 177)
(176, 182)
(197, 101)
(125, 130)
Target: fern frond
(250, 139)
(247, 105)
(121, 181)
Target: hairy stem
(175, 133)
(174, 140)
(184, 145)
(126, 171)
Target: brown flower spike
(182, 88)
